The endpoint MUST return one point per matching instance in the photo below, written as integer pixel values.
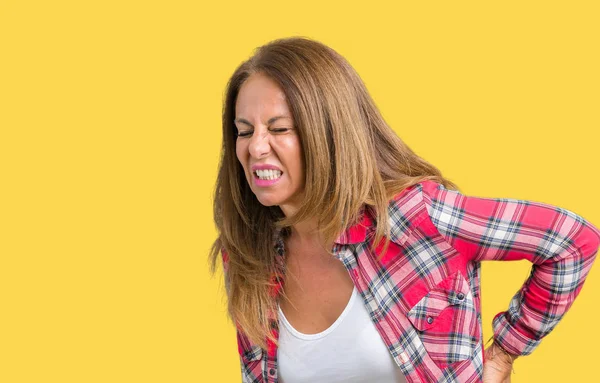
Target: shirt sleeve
(560, 244)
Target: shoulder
(431, 188)
(415, 196)
(408, 208)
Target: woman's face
(268, 139)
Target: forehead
(260, 97)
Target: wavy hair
(351, 158)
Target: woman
(348, 258)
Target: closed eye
(248, 133)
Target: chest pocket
(446, 321)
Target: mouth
(266, 178)
(267, 174)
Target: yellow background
(110, 135)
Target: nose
(259, 145)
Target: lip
(258, 181)
(264, 167)
(262, 183)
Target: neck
(305, 233)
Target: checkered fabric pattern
(423, 294)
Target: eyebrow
(271, 120)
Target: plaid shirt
(424, 294)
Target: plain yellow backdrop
(110, 136)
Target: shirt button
(429, 319)
(272, 371)
(461, 296)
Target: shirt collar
(405, 210)
(400, 221)
(356, 233)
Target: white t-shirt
(350, 351)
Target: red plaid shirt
(424, 294)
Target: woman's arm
(560, 244)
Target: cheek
(294, 161)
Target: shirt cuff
(510, 339)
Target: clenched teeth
(268, 174)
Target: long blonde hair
(351, 157)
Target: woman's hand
(497, 365)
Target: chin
(268, 200)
